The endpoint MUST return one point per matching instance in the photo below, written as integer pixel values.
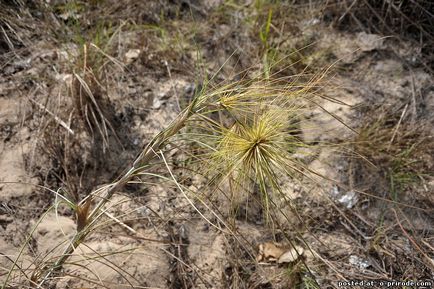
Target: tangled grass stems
(28, 238)
(147, 154)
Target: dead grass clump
(88, 91)
(183, 273)
(16, 25)
(411, 20)
(392, 167)
(264, 30)
(76, 140)
(22, 25)
(68, 159)
(396, 154)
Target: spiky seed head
(254, 147)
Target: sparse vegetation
(396, 152)
(214, 144)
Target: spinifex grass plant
(246, 131)
(252, 139)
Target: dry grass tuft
(89, 97)
(15, 26)
(393, 167)
(397, 153)
(410, 20)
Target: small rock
(163, 95)
(310, 22)
(368, 42)
(359, 262)
(211, 4)
(190, 88)
(63, 55)
(65, 78)
(132, 55)
(156, 103)
(349, 199)
(24, 63)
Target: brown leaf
(269, 251)
(82, 214)
(278, 252)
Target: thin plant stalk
(147, 154)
